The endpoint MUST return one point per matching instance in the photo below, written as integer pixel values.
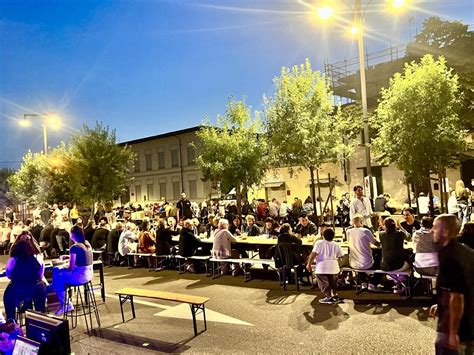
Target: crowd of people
(438, 248)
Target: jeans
(63, 277)
(15, 293)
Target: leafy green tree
(99, 167)
(455, 42)
(231, 151)
(25, 183)
(302, 126)
(417, 120)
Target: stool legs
(85, 304)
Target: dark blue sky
(146, 67)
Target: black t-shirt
(392, 250)
(184, 207)
(410, 228)
(456, 274)
(36, 231)
(310, 228)
(83, 254)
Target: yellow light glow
(53, 121)
(398, 4)
(325, 12)
(24, 122)
(354, 30)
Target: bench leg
(123, 299)
(194, 310)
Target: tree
(100, 167)
(303, 129)
(232, 150)
(455, 42)
(25, 183)
(417, 120)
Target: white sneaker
(363, 286)
(69, 307)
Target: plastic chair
(286, 259)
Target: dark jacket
(164, 241)
(113, 240)
(99, 238)
(188, 243)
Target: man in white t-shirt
(360, 255)
(326, 252)
(361, 205)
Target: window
(174, 158)
(176, 190)
(161, 160)
(163, 189)
(138, 192)
(191, 155)
(137, 164)
(192, 189)
(148, 166)
(149, 192)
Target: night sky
(147, 67)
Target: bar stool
(21, 308)
(84, 305)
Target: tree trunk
(238, 194)
(430, 192)
(313, 192)
(441, 190)
(319, 196)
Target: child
(326, 252)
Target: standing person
(45, 213)
(344, 209)
(463, 198)
(25, 269)
(361, 205)
(79, 271)
(74, 214)
(455, 290)
(273, 208)
(283, 212)
(184, 208)
(326, 253)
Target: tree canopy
(417, 119)
(231, 151)
(92, 168)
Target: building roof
(159, 136)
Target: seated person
(210, 225)
(467, 235)
(326, 253)
(164, 238)
(410, 224)
(305, 227)
(270, 228)
(251, 229)
(188, 243)
(286, 239)
(393, 254)
(222, 246)
(79, 271)
(286, 235)
(426, 250)
(360, 255)
(113, 241)
(146, 243)
(236, 227)
(25, 269)
(128, 241)
(99, 239)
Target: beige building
(166, 166)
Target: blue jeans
(16, 293)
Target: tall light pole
(46, 119)
(324, 13)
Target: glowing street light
(398, 4)
(50, 120)
(355, 30)
(325, 12)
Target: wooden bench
(196, 303)
(393, 274)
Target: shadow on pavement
(140, 342)
(327, 316)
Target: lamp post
(324, 13)
(46, 119)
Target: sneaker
(61, 309)
(190, 268)
(363, 285)
(374, 288)
(336, 299)
(326, 300)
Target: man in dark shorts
(455, 290)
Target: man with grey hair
(455, 290)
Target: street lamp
(47, 119)
(325, 12)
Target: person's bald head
(445, 228)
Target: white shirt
(360, 255)
(326, 261)
(424, 204)
(362, 207)
(126, 242)
(284, 209)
